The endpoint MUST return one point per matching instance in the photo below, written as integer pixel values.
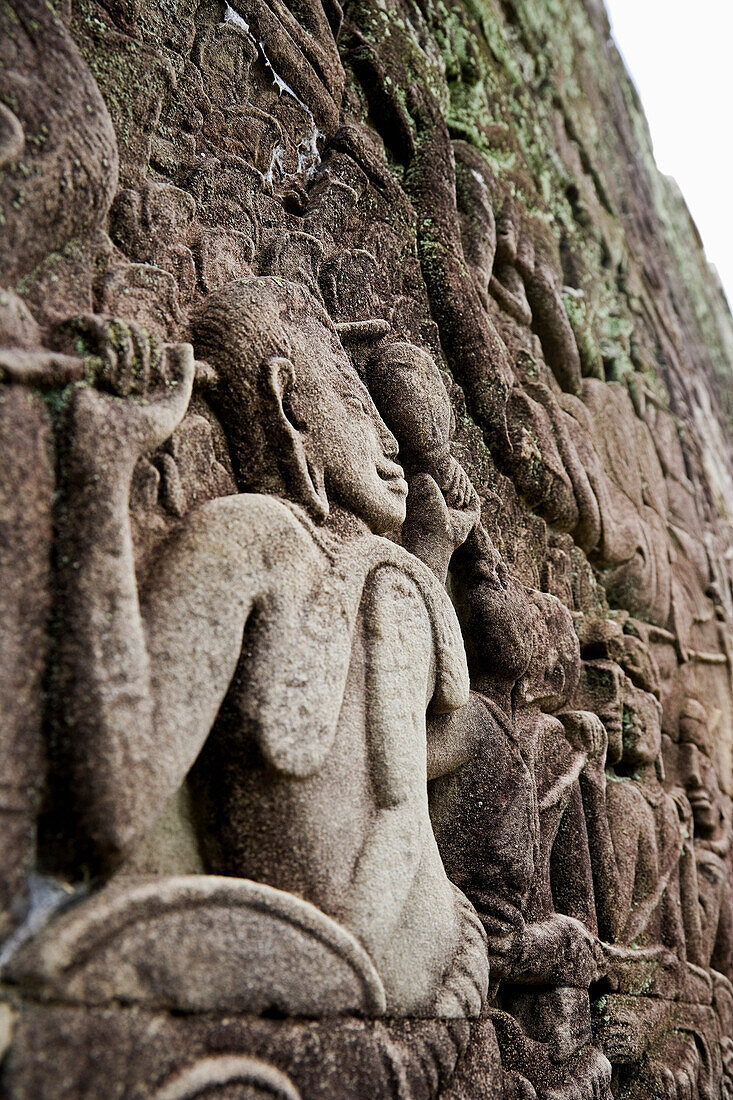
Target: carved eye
(357, 403)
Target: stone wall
(366, 529)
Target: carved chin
(396, 509)
(387, 520)
(704, 815)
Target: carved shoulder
(628, 811)
(249, 530)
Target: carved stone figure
(712, 835)
(639, 903)
(500, 852)
(712, 845)
(321, 696)
(473, 347)
(636, 843)
(57, 145)
(412, 398)
(366, 617)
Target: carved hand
(587, 734)
(432, 530)
(582, 950)
(148, 388)
(428, 118)
(562, 950)
(684, 811)
(456, 485)
(589, 1078)
(673, 1076)
(726, 1049)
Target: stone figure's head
(697, 771)
(641, 728)
(601, 690)
(552, 676)
(58, 152)
(498, 618)
(617, 663)
(476, 193)
(300, 421)
(412, 398)
(508, 231)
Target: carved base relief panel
(366, 528)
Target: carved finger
(473, 497)
(456, 486)
(449, 487)
(669, 1086)
(686, 1088)
(523, 1090)
(122, 378)
(141, 345)
(89, 335)
(163, 415)
(464, 486)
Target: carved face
(501, 626)
(701, 786)
(601, 690)
(299, 419)
(475, 213)
(553, 673)
(60, 188)
(346, 441)
(478, 234)
(642, 727)
(507, 235)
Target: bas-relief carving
(647, 899)
(518, 775)
(349, 618)
(292, 743)
(711, 849)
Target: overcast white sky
(680, 55)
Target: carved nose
(389, 443)
(691, 758)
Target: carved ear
(306, 473)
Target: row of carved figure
(318, 753)
(404, 804)
(572, 445)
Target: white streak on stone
(309, 157)
(232, 16)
